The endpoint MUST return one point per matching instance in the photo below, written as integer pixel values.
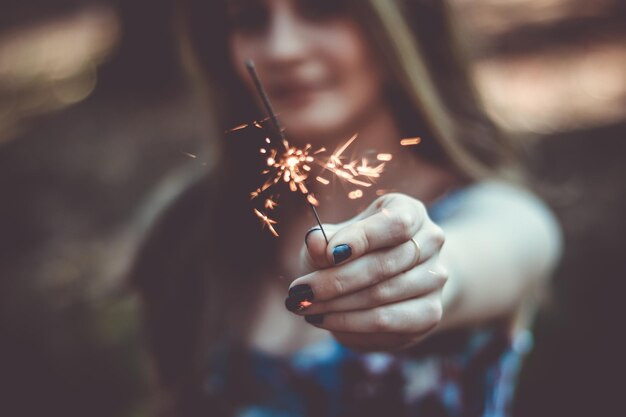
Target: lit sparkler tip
(385, 157)
(410, 141)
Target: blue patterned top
(466, 373)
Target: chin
(315, 125)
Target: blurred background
(99, 129)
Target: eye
(321, 9)
(251, 17)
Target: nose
(286, 38)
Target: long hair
(196, 287)
(432, 94)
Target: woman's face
(313, 61)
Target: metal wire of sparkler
(268, 106)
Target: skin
(385, 296)
(319, 73)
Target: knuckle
(381, 320)
(401, 223)
(383, 200)
(439, 237)
(378, 293)
(337, 285)
(362, 239)
(337, 321)
(433, 312)
(382, 267)
(443, 277)
(440, 275)
(421, 207)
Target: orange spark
(266, 221)
(353, 195)
(343, 147)
(240, 127)
(256, 123)
(304, 304)
(293, 166)
(410, 141)
(270, 204)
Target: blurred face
(313, 61)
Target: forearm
(480, 289)
(497, 253)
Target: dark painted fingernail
(300, 297)
(306, 237)
(301, 289)
(314, 319)
(341, 253)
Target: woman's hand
(377, 285)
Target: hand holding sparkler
(295, 166)
(375, 287)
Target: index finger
(396, 219)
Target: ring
(418, 251)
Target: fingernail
(300, 297)
(306, 237)
(341, 253)
(314, 319)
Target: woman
(443, 316)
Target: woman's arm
(382, 281)
(501, 244)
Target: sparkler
(292, 166)
(295, 166)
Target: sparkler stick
(268, 106)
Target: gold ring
(418, 251)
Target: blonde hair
(435, 82)
(476, 157)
